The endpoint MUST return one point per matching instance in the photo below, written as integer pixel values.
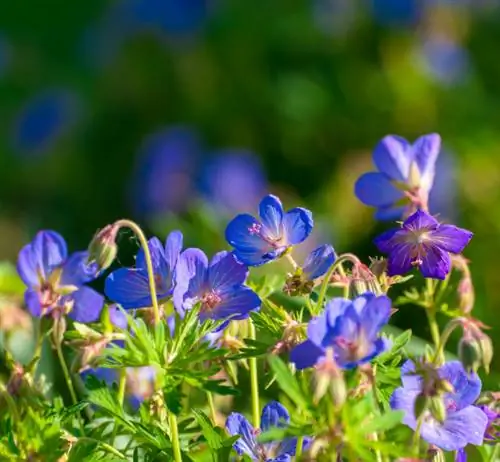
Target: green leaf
(213, 438)
(383, 422)
(10, 282)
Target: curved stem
(149, 263)
(254, 381)
(298, 450)
(292, 261)
(105, 446)
(174, 436)
(211, 406)
(439, 353)
(416, 436)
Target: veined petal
(39, 258)
(420, 220)
(244, 234)
(451, 238)
(225, 272)
(393, 156)
(319, 261)
(158, 259)
(375, 315)
(404, 400)
(129, 287)
(467, 386)
(274, 415)
(306, 354)
(319, 327)
(192, 271)
(87, 305)
(425, 151)
(32, 300)
(298, 224)
(173, 249)
(236, 304)
(281, 458)
(237, 424)
(400, 260)
(76, 271)
(253, 257)
(386, 241)
(346, 327)
(360, 302)
(410, 380)
(289, 445)
(436, 263)
(461, 456)
(271, 214)
(375, 189)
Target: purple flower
(492, 433)
(405, 176)
(349, 328)
(56, 282)
(318, 262)
(218, 286)
(424, 243)
(43, 121)
(234, 180)
(257, 242)
(130, 286)
(273, 415)
(463, 423)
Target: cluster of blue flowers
(345, 334)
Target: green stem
(10, 403)
(439, 353)
(122, 385)
(254, 381)
(149, 263)
(416, 436)
(298, 450)
(292, 261)
(495, 453)
(105, 446)
(69, 382)
(211, 406)
(436, 338)
(174, 436)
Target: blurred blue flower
(396, 12)
(463, 423)
(424, 243)
(257, 242)
(56, 281)
(43, 120)
(164, 177)
(405, 176)
(234, 180)
(443, 196)
(318, 262)
(349, 329)
(274, 415)
(219, 286)
(130, 286)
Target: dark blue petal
(426, 150)
(297, 224)
(400, 260)
(376, 189)
(158, 259)
(461, 456)
(467, 386)
(375, 315)
(39, 258)
(87, 305)
(289, 445)
(389, 213)
(436, 263)
(347, 325)
(274, 414)
(76, 271)
(271, 214)
(191, 277)
(451, 238)
(319, 261)
(235, 304)
(306, 354)
(386, 241)
(32, 300)
(129, 288)
(173, 249)
(360, 302)
(420, 220)
(237, 424)
(281, 458)
(225, 272)
(393, 156)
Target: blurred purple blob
(164, 177)
(43, 120)
(443, 196)
(234, 180)
(396, 12)
(445, 60)
(140, 384)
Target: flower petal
(393, 156)
(318, 327)
(33, 304)
(386, 241)
(404, 400)
(87, 305)
(271, 214)
(39, 258)
(435, 263)
(375, 189)
(451, 238)
(420, 220)
(461, 456)
(289, 445)
(234, 305)
(158, 259)
(281, 458)
(128, 287)
(306, 354)
(389, 213)
(319, 261)
(467, 386)
(400, 260)
(298, 224)
(192, 272)
(375, 315)
(237, 424)
(225, 272)
(274, 415)
(426, 150)
(173, 249)
(76, 271)
(117, 317)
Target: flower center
(210, 300)
(276, 242)
(48, 297)
(353, 349)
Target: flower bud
(362, 281)
(58, 330)
(469, 353)
(328, 376)
(103, 249)
(296, 285)
(466, 296)
(420, 406)
(486, 351)
(437, 408)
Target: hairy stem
(174, 436)
(254, 381)
(105, 446)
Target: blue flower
(463, 423)
(130, 286)
(405, 177)
(424, 243)
(257, 242)
(318, 262)
(349, 328)
(219, 286)
(43, 120)
(273, 415)
(396, 12)
(234, 180)
(56, 282)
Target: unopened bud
(437, 408)
(469, 353)
(486, 351)
(103, 249)
(329, 377)
(420, 406)
(363, 280)
(296, 285)
(466, 295)
(58, 329)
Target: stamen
(210, 300)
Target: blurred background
(182, 113)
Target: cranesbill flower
(463, 422)
(492, 433)
(219, 286)
(273, 415)
(405, 176)
(56, 281)
(424, 243)
(130, 286)
(349, 328)
(257, 242)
